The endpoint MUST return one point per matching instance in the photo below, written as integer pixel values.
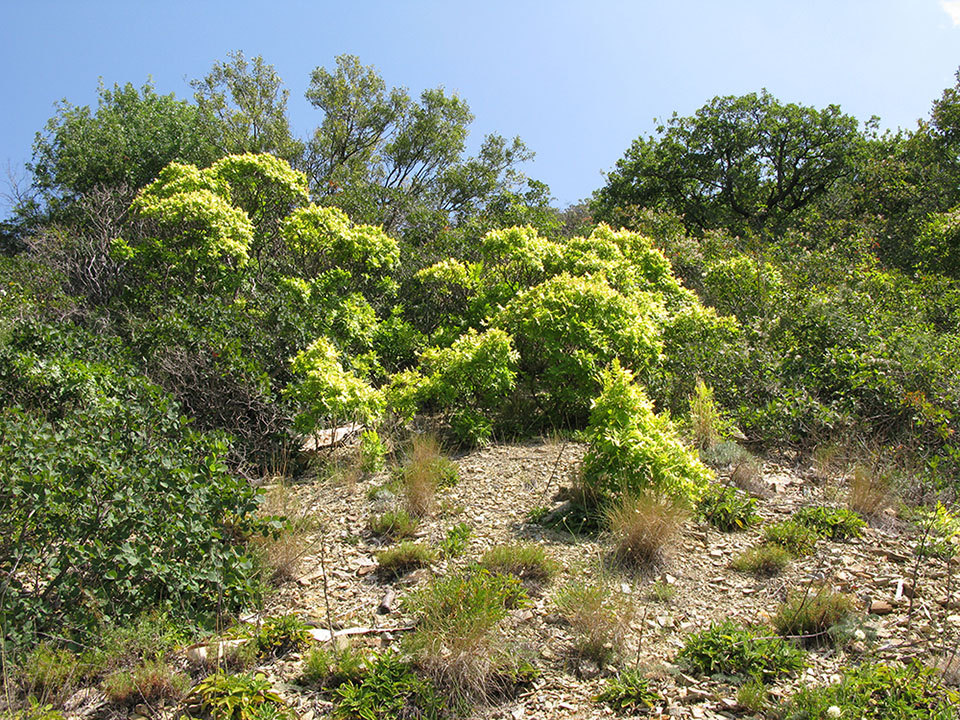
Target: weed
(724, 454)
(870, 491)
(830, 522)
(326, 668)
(642, 527)
(526, 561)
(740, 653)
(34, 711)
(148, 682)
(941, 533)
(456, 641)
(536, 515)
(793, 537)
(599, 617)
(753, 696)
(393, 524)
(454, 543)
(765, 560)
(372, 452)
(279, 635)
(149, 637)
(388, 689)
(662, 592)
(629, 692)
(810, 617)
(826, 460)
(405, 557)
(727, 509)
(235, 697)
(706, 421)
(876, 692)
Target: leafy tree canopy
(746, 164)
(388, 159)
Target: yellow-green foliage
(632, 449)
(327, 392)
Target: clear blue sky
(576, 80)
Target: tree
(246, 106)
(387, 159)
(746, 164)
(124, 144)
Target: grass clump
(877, 692)
(797, 539)
(629, 692)
(662, 592)
(149, 682)
(424, 472)
(456, 641)
(871, 491)
(405, 557)
(325, 668)
(388, 689)
(813, 617)
(643, 526)
(599, 617)
(753, 696)
(830, 522)
(528, 562)
(766, 559)
(725, 454)
(740, 653)
(49, 674)
(393, 524)
(727, 509)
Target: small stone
(953, 620)
(880, 607)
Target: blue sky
(576, 80)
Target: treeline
(189, 291)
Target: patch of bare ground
(915, 604)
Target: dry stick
(553, 472)
(323, 572)
(916, 566)
(643, 624)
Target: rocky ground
(912, 606)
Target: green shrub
(740, 653)
(765, 559)
(393, 524)
(724, 454)
(599, 616)
(120, 507)
(793, 537)
(235, 697)
(526, 561)
(629, 692)
(568, 329)
(457, 640)
(642, 527)
(812, 616)
(830, 522)
(706, 423)
(632, 449)
(405, 557)
(876, 692)
(388, 689)
(727, 509)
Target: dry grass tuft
(643, 527)
(599, 616)
(871, 492)
(280, 555)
